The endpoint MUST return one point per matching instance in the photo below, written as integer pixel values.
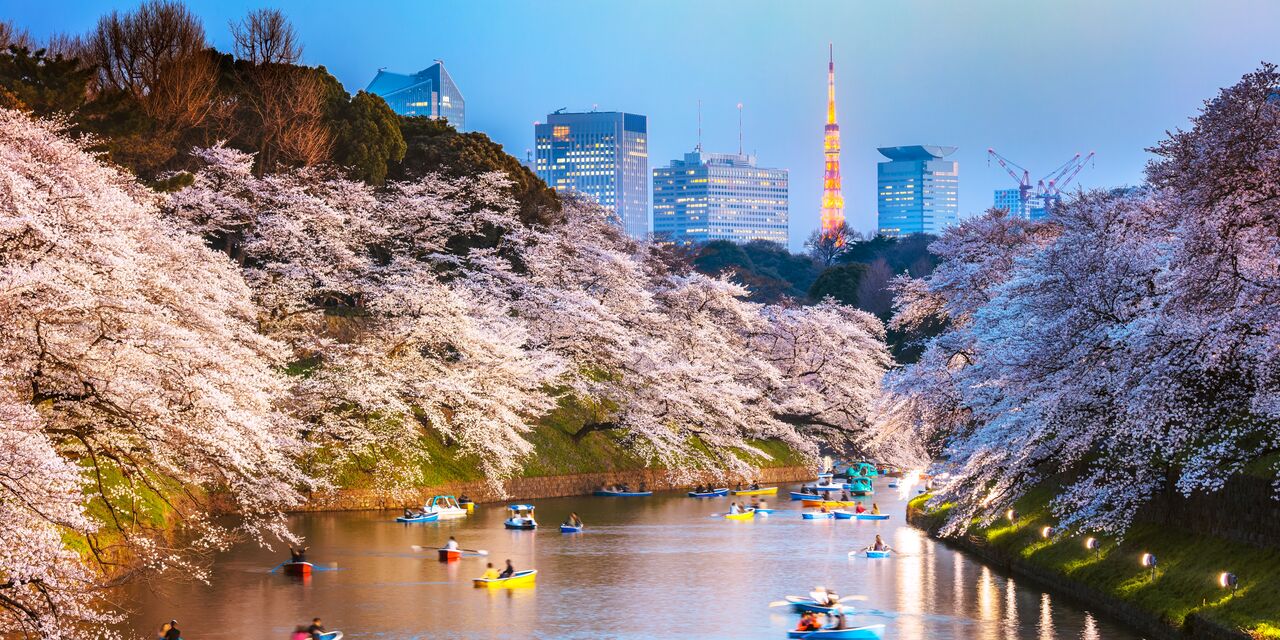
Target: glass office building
(719, 196)
(1032, 209)
(430, 92)
(603, 155)
(918, 191)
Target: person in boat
(463, 499)
(173, 633)
(844, 495)
(316, 629)
(808, 622)
(878, 545)
(733, 508)
(755, 486)
(300, 633)
(823, 597)
(840, 621)
(860, 508)
(489, 572)
(822, 508)
(164, 630)
(574, 520)
(875, 509)
(298, 554)
(762, 504)
(452, 544)
(509, 571)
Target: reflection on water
(646, 568)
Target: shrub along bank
(1184, 596)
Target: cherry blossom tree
(130, 368)
(1124, 350)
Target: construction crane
(1048, 190)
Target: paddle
(273, 569)
(478, 552)
(853, 598)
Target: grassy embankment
(556, 452)
(1186, 575)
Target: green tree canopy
(840, 282)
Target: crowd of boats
(831, 496)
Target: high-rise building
(430, 92)
(832, 195)
(719, 196)
(1032, 209)
(603, 155)
(917, 190)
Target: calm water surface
(656, 567)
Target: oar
(479, 552)
(853, 598)
(273, 569)
(779, 603)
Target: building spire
(832, 194)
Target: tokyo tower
(832, 198)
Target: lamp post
(1149, 560)
(1095, 545)
(1227, 580)
(1046, 532)
(1012, 516)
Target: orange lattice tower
(832, 198)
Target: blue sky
(1038, 81)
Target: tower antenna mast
(739, 128)
(699, 147)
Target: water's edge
(1144, 622)
(579, 484)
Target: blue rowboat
(623, 494)
(566, 528)
(873, 516)
(841, 514)
(426, 517)
(801, 604)
(332, 635)
(877, 554)
(816, 515)
(823, 487)
(873, 632)
(709, 494)
(764, 512)
(796, 495)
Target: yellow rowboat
(520, 579)
(763, 491)
(829, 503)
(746, 515)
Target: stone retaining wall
(1152, 626)
(1245, 510)
(525, 488)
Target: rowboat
(745, 515)
(841, 514)
(568, 528)
(332, 635)
(297, 568)
(449, 555)
(762, 491)
(821, 487)
(802, 603)
(764, 512)
(422, 517)
(800, 495)
(873, 516)
(622, 494)
(830, 504)
(520, 579)
(709, 494)
(873, 632)
(877, 554)
(816, 515)
(521, 517)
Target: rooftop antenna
(739, 128)
(699, 147)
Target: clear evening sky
(1038, 81)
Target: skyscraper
(430, 92)
(603, 155)
(1011, 199)
(917, 190)
(832, 196)
(719, 196)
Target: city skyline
(1110, 77)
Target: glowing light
(832, 195)
(1148, 560)
(1227, 580)
(1011, 515)
(1046, 532)
(1094, 545)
